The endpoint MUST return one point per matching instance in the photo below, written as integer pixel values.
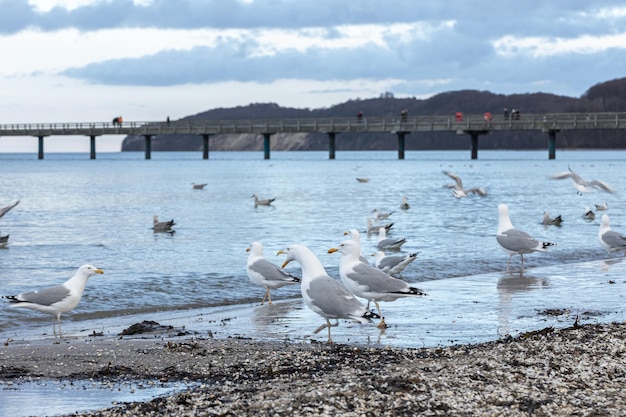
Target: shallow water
(74, 211)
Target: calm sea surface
(74, 211)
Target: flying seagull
(581, 185)
(457, 188)
(6, 209)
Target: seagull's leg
(382, 324)
(508, 263)
(522, 256)
(269, 296)
(265, 297)
(59, 322)
(330, 340)
(322, 327)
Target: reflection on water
(514, 285)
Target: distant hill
(609, 96)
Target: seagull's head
(89, 270)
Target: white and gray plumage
(581, 185)
(197, 186)
(602, 207)
(394, 265)
(547, 220)
(161, 227)
(369, 282)
(322, 294)
(610, 240)
(588, 214)
(457, 188)
(262, 201)
(388, 243)
(379, 215)
(516, 242)
(356, 236)
(266, 274)
(6, 209)
(404, 205)
(374, 228)
(56, 300)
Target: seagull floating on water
(404, 205)
(547, 220)
(324, 295)
(197, 186)
(262, 201)
(394, 265)
(379, 215)
(581, 185)
(589, 214)
(611, 241)
(374, 228)
(388, 243)
(162, 227)
(56, 300)
(602, 207)
(457, 188)
(266, 274)
(516, 242)
(369, 282)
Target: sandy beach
(578, 370)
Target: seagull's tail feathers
(546, 245)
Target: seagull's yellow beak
(99, 271)
(281, 252)
(332, 250)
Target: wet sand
(577, 370)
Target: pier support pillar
(266, 145)
(474, 145)
(148, 141)
(40, 154)
(552, 144)
(401, 144)
(205, 146)
(92, 147)
(331, 145)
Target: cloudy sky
(90, 60)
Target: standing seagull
(264, 273)
(369, 282)
(516, 242)
(581, 185)
(611, 241)
(322, 294)
(56, 300)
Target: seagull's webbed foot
(382, 324)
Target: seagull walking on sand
(266, 274)
(610, 240)
(581, 185)
(56, 300)
(262, 201)
(324, 295)
(369, 282)
(516, 242)
(457, 188)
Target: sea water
(74, 211)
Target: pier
(472, 126)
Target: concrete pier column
(148, 141)
(40, 154)
(474, 145)
(205, 146)
(92, 147)
(266, 145)
(552, 144)
(331, 145)
(400, 145)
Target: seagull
(5, 210)
(516, 242)
(4, 241)
(589, 214)
(547, 220)
(262, 202)
(363, 179)
(388, 243)
(457, 188)
(611, 241)
(378, 215)
(56, 300)
(322, 294)
(581, 185)
(266, 274)
(369, 282)
(356, 236)
(197, 186)
(394, 265)
(374, 228)
(602, 207)
(158, 226)
(404, 205)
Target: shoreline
(577, 370)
